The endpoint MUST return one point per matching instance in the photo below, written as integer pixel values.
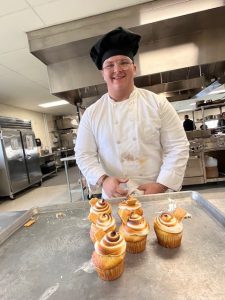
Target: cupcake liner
(136, 247)
(111, 274)
(106, 261)
(92, 235)
(167, 239)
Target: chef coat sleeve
(86, 151)
(175, 147)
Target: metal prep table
(51, 259)
(70, 191)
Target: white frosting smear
(49, 292)
(87, 267)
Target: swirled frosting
(131, 204)
(168, 223)
(136, 225)
(112, 244)
(105, 221)
(101, 206)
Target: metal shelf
(215, 105)
(215, 179)
(50, 173)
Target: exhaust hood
(176, 39)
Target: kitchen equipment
(194, 173)
(211, 117)
(55, 253)
(198, 134)
(19, 161)
(211, 167)
(66, 123)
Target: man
(130, 140)
(221, 122)
(188, 124)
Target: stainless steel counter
(52, 258)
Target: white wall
(37, 121)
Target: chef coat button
(116, 123)
(118, 142)
(134, 138)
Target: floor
(54, 190)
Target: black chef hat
(116, 42)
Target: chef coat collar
(131, 98)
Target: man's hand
(152, 188)
(111, 186)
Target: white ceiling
(23, 78)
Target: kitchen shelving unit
(48, 165)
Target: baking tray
(51, 259)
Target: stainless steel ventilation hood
(182, 47)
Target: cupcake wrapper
(111, 274)
(136, 247)
(92, 236)
(168, 240)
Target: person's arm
(153, 188)
(175, 148)
(112, 187)
(86, 151)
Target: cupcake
(135, 233)
(109, 254)
(169, 228)
(105, 222)
(98, 207)
(128, 206)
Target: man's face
(118, 72)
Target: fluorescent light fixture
(54, 103)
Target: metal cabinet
(19, 164)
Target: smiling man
(131, 140)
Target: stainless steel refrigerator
(19, 161)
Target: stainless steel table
(51, 259)
(66, 160)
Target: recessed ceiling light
(54, 103)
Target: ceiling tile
(13, 28)
(17, 91)
(18, 86)
(10, 6)
(14, 89)
(24, 63)
(39, 2)
(63, 11)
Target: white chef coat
(141, 138)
